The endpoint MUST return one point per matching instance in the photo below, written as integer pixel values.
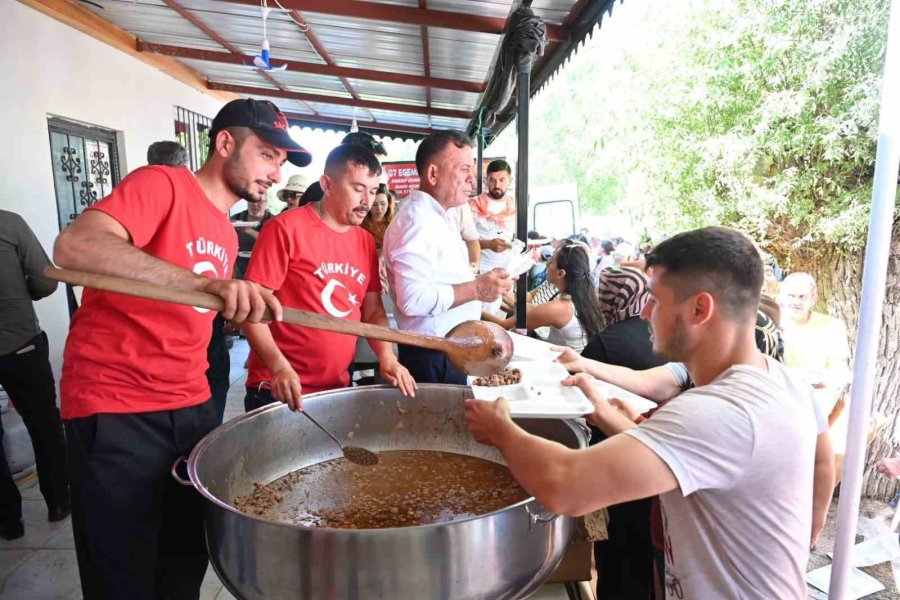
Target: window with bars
(192, 132)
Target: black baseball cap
(266, 121)
(361, 138)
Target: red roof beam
(376, 105)
(407, 14)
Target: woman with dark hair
(625, 338)
(606, 257)
(574, 316)
(381, 213)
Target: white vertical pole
(887, 164)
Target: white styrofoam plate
(540, 395)
(526, 348)
(245, 223)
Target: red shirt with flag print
(126, 354)
(312, 267)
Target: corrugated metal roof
(461, 54)
(397, 118)
(488, 8)
(232, 74)
(390, 92)
(376, 46)
(153, 22)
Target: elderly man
(743, 488)
(816, 346)
(430, 279)
(134, 394)
(813, 342)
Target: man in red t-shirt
(316, 258)
(134, 392)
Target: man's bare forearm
(377, 316)
(657, 384)
(108, 254)
(823, 478)
(823, 488)
(263, 344)
(537, 464)
(611, 422)
(474, 251)
(464, 292)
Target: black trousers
(254, 398)
(219, 370)
(429, 366)
(28, 379)
(138, 533)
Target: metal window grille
(192, 132)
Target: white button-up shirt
(425, 256)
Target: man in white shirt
(431, 281)
(742, 462)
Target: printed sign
(402, 177)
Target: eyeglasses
(292, 194)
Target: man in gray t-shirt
(741, 496)
(742, 462)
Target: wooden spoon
(476, 348)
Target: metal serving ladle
(355, 454)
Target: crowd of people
(717, 492)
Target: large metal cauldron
(505, 554)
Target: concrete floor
(42, 565)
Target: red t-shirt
(312, 267)
(127, 354)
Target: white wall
(50, 68)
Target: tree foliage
(762, 115)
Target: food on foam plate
(505, 377)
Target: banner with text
(402, 177)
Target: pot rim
(223, 429)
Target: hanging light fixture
(353, 126)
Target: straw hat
(296, 183)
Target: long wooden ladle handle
(142, 289)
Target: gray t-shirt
(682, 377)
(743, 450)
